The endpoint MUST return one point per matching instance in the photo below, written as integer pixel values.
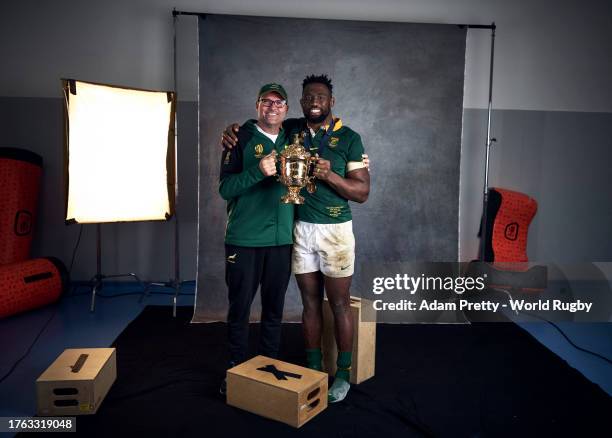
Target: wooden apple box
(76, 382)
(278, 390)
(364, 342)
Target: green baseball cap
(273, 87)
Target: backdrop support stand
(97, 280)
(489, 139)
(489, 143)
(175, 283)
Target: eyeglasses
(269, 102)
(310, 98)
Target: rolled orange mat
(20, 173)
(31, 284)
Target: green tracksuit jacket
(255, 215)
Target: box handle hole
(313, 405)
(65, 391)
(64, 403)
(313, 393)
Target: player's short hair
(318, 79)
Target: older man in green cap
(258, 236)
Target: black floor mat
(475, 380)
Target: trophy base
(293, 196)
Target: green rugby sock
(313, 358)
(344, 365)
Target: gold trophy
(296, 171)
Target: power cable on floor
(56, 307)
(18, 361)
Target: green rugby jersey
(255, 214)
(325, 206)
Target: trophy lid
(296, 149)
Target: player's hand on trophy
(322, 169)
(228, 137)
(366, 161)
(267, 164)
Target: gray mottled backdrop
(400, 85)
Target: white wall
(550, 55)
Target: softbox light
(119, 153)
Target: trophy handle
(310, 175)
(312, 165)
(280, 161)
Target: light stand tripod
(97, 280)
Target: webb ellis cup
(296, 165)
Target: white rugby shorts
(329, 248)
